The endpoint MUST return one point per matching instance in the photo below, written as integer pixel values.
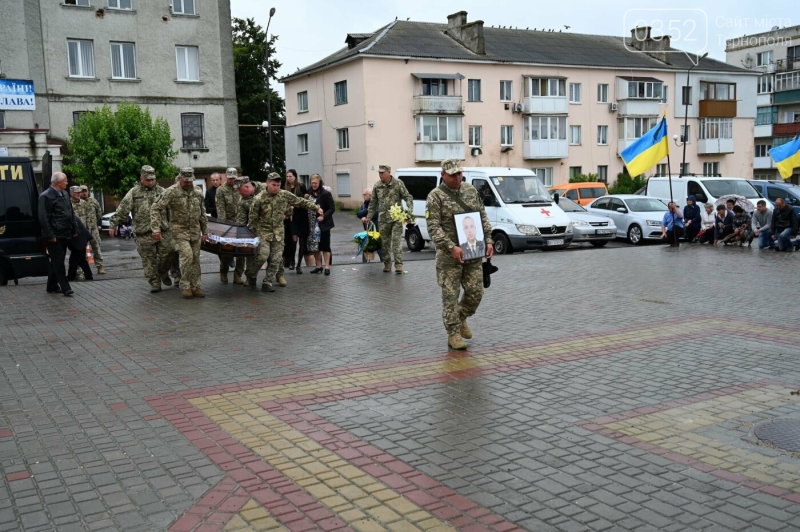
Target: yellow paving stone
(352, 515)
(352, 492)
(267, 523)
(320, 491)
(333, 501)
(384, 514)
(337, 482)
(235, 524)
(403, 526)
(429, 524)
(418, 516)
(402, 505)
(254, 513)
(350, 472)
(386, 495)
(367, 525)
(366, 503)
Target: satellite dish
(748, 60)
(774, 28)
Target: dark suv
(773, 190)
(22, 251)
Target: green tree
(107, 150)
(584, 178)
(626, 184)
(250, 66)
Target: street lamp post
(269, 91)
(686, 98)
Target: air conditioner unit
(612, 107)
(517, 108)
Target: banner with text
(17, 95)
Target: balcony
(763, 131)
(718, 108)
(545, 149)
(763, 163)
(784, 97)
(436, 152)
(636, 107)
(438, 105)
(544, 105)
(764, 99)
(712, 146)
(786, 130)
(784, 65)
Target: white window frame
(548, 175)
(687, 135)
(602, 93)
(602, 173)
(664, 94)
(343, 139)
(765, 84)
(182, 10)
(475, 132)
(471, 85)
(117, 4)
(453, 128)
(302, 143)
(647, 88)
(302, 102)
(574, 135)
(685, 168)
(341, 190)
(544, 128)
(506, 135)
(764, 149)
(339, 91)
(715, 128)
(765, 58)
(575, 95)
(434, 86)
(711, 169)
(787, 81)
(120, 45)
(662, 169)
(80, 48)
(202, 131)
(629, 125)
(79, 3)
(575, 171)
(559, 84)
(602, 135)
(186, 62)
(506, 90)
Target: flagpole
(671, 198)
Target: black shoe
(316, 270)
(267, 288)
(291, 266)
(56, 291)
(327, 271)
(299, 270)
(68, 293)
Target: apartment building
(415, 93)
(175, 57)
(775, 56)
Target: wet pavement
(608, 389)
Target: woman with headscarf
(691, 219)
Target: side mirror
(623, 210)
(555, 198)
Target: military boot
(198, 293)
(387, 267)
(237, 279)
(187, 293)
(466, 332)
(166, 280)
(155, 287)
(456, 342)
(281, 280)
(398, 269)
(251, 283)
(223, 277)
(101, 270)
(266, 287)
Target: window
(81, 58)
(762, 150)
(764, 58)
(545, 175)
(711, 169)
(602, 176)
(473, 90)
(192, 128)
(686, 95)
(686, 135)
(419, 186)
(602, 93)
(340, 92)
(765, 84)
(343, 183)
(434, 87)
(574, 93)
(188, 58)
(505, 91)
(787, 81)
(183, 7)
(661, 170)
(123, 60)
(634, 128)
(716, 128)
(84, 3)
(76, 116)
(17, 206)
(506, 135)
(120, 4)
(343, 139)
(645, 89)
(475, 136)
(717, 91)
(551, 87)
(684, 168)
(2, 119)
(766, 116)
(302, 102)
(602, 135)
(545, 128)
(485, 192)
(574, 172)
(575, 135)
(302, 143)
(664, 97)
(601, 204)
(440, 129)
(774, 193)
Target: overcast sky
(311, 29)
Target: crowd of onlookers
(732, 224)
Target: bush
(626, 184)
(584, 178)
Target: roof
(425, 40)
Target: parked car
(105, 220)
(705, 189)
(638, 218)
(772, 190)
(587, 227)
(580, 193)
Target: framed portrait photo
(471, 239)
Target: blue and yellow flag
(787, 157)
(648, 150)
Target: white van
(705, 189)
(522, 214)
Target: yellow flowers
(399, 214)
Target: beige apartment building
(415, 93)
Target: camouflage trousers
(392, 242)
(451, 277)
(242, 264)
(156, 256)
(98, 256)
(270, 252)
(189, 259)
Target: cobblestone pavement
(613, 389)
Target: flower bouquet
(368, 242)
(399, 214)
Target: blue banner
(17, 95)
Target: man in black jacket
(77, 253)
(59, 224)
(211, 195)
(784, 225)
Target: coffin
(229, 239)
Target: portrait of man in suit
(470, 234)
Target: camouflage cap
(452, 166)
(187, 173)
(274, 176)
(75, 189)
(231, 173)
(242, 180)
(84, 187)
(149, 172)
(384, 168)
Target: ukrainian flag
(645, 153)
(787, 157)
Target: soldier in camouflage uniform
(81, 210)
(269, 210)
(248, 190)
(156, 255)
(226, 200)
(386, 193)
(188, 225)
(452, 271)
(93, 207)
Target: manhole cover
(782, 433)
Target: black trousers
(77, 259)
(674, 237)
(56, 271)
(691, 232)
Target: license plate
(555, 242)
(602, 231)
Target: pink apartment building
(412, 94)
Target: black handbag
(488, 270)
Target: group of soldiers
(90, 213)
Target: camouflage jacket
(226, 199)
(243, 208)
(187, 213)
(440, 213)
(96, 209)
(268, 213)
(83, 210)
(138, 202)
(388, 195)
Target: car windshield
(646, 205)
(723, 187)
(521, 189)
(592, 192)
(569, 206)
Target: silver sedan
(638, 218)
(587, 227)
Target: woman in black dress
(296, 227)
(324, 200)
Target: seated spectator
(691, 218)
(723, 225)
(760, 225)
(706, 234)
(742, 231)
(729, 205)
(784, 225)
(672, 225)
